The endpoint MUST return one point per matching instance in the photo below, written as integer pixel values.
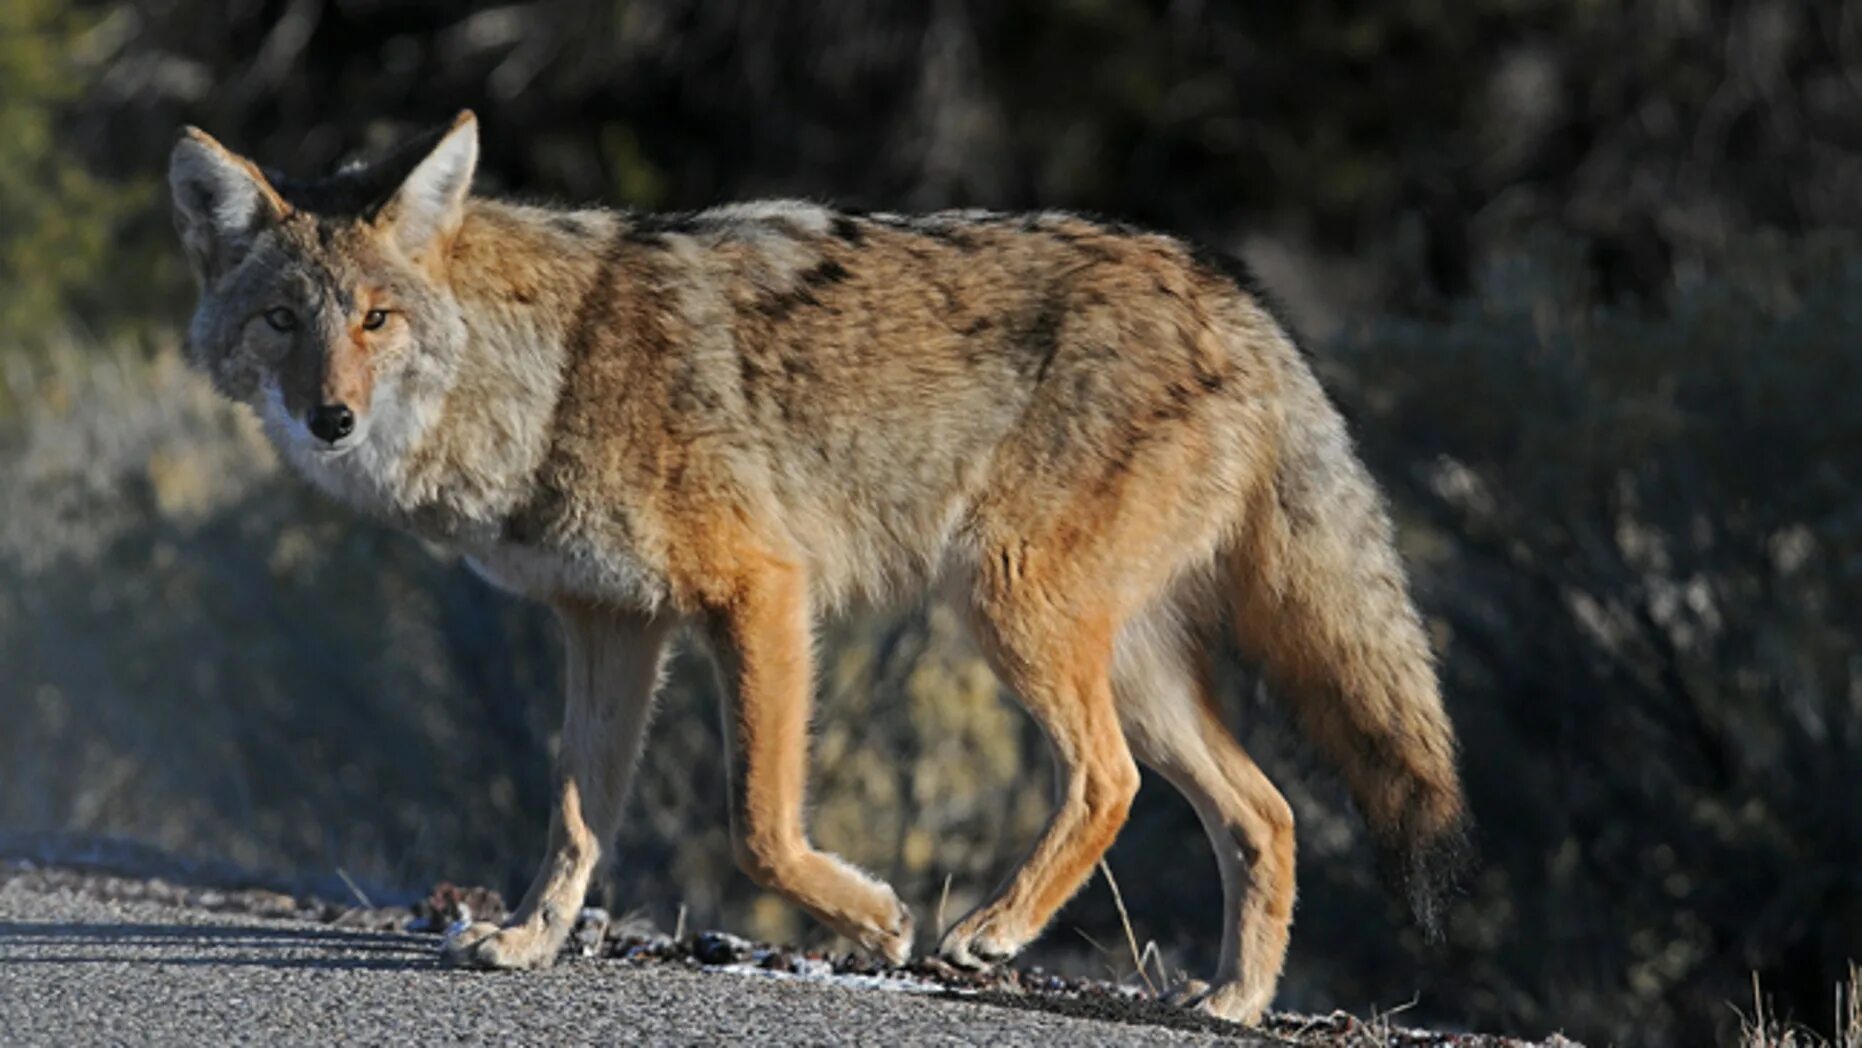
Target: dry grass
(354, 888)
(1131, 939)
(1141, 958)
(1765, 1029)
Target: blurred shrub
(56, 219)
(204, 654)
(1643, 539)
(1408, 142)
(200, 652)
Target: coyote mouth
(331, 454)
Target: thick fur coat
(1098, 440)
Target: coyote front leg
(612, 673)
(762, 640)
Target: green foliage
(57, 220)
(1645, 553)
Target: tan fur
(1173, 725)
(740, 420)
(758, 619)
(614, 658)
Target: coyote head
(325, 305)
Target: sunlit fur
(738, 420)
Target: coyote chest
(547, 573)
(520, 570)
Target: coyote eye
(374, 318)
(281, 319)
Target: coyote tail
(1320, 599)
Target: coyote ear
(430, 205)
(222, 202)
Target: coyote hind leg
(1059, 666)
(1165, 706)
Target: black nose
(332, 422)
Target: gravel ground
(75, 968)
(88, 956)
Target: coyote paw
(485, 945)
(1187, 993)
(876, 919)
(1232, 1001)
(892, 940)
(978, 942)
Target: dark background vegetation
(1585, 276)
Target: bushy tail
(1321, 601)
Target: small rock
(814, 967)
(720, 948)
(797, 963)
(645, 946)
(448, 903)
(271, 904)
(591, 930)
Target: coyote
(731, 422)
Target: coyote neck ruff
(458, 451)
(732, 421)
